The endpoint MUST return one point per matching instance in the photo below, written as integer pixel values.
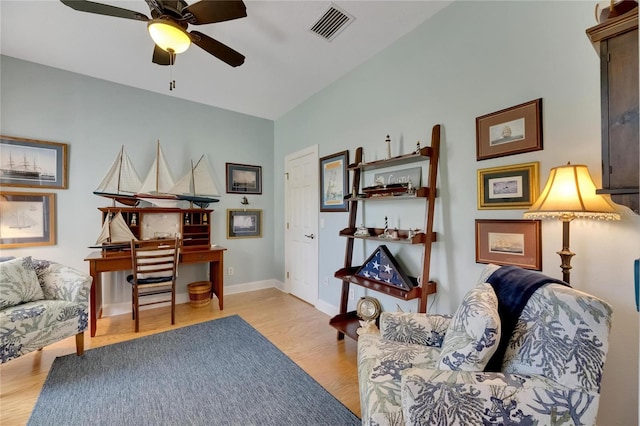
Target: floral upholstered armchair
(41, 303)
(542, 365)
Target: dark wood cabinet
(616, 41)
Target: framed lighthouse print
(334, 182)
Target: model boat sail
(121, 181)
(115, 233)
(197, 186)
(159, 181)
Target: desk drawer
(198, 257)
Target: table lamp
(569, 194)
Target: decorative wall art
(244, 223)
(31, 163)
(510, 131)
(27, 219)
(334, 182)
(509, 242)
(243, 179)
(508, 187)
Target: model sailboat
(197, 186)
(158, 183)
(115, 233)
(121, 181)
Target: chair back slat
(154, 258)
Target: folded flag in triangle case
(382, 266)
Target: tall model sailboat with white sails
(158, 183)
(121, 181)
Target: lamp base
(565, 256)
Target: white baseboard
(327, 308)
(125, 307)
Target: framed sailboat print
(31, 163)
(27, 219)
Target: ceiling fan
(169, 22)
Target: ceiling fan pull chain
(172, 81)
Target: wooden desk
(121, 261)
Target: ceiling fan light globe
(169, 36)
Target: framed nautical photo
(244, 223)
(31, 163)
(509, 242)
(508, 187)
(243, 179)
(334, 182)
(27, 219)
(510, 131)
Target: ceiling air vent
(332, 22)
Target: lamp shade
(570, 193)
(169, 36)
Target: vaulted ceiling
(285, 62)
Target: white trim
(125, 307)
(327, 308)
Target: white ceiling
(285, 63)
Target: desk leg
(95, 302)
(216, 275)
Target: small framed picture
(510, 131)
(243, 179)
(509, 242)
(334, 182)
(31, 163)
(27, 219)
(508, 187)
(244, 223)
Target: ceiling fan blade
(104, 9)
(217, 49)
(211, 11)
(162, 57)
(154, 6)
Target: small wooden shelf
(375, 234)
(424, 154)
(422, 192)
(348, 275)
(347, 323)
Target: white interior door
(301, 227)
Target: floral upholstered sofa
(41, 303)
(423, 369)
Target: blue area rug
(220, 372)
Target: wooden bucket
(199, 294)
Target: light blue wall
(473, 58)
(96, 118)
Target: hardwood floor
(296, 328)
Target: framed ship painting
(31, 163)
(27, 219)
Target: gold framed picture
(27, 219)
(31, 163)
(508, 187)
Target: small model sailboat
(121, 181)
(115, 233)
(197, 186)
(159, 181)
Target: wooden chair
(154, 272)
